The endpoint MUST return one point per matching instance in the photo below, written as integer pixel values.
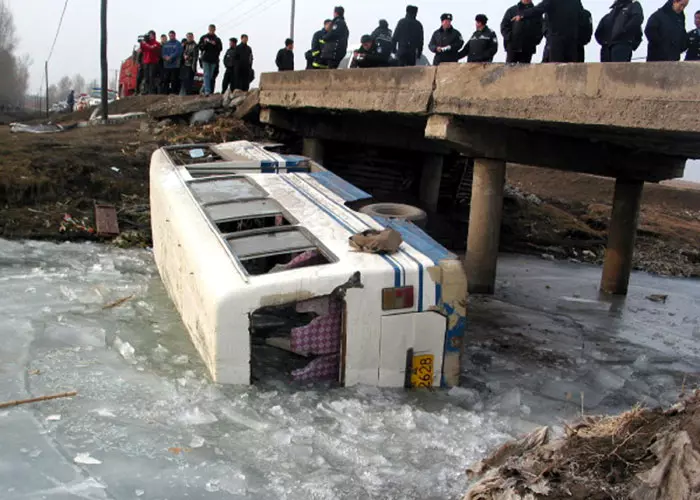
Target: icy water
(148, 424)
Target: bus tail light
(397, 298)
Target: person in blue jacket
(171, 53)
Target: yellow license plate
(422, 371)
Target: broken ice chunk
(126, 350)
(86, 459)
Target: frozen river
(148, 424)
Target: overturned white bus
(252, 247)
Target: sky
(267, 22)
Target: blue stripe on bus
(269, 167)
(339, 186)
(397, 272)
(360, 220)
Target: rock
(250, 108)
(589, 255)
(179, 106)
(202, 117)
(233, 99)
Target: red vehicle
(128, 77)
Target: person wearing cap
(563, 25)
(382, 37)
(446, 42)
(313, 56)
(483, 44)
(285, 56)
(408, 38)
(335, 42)
(370, 54)
(229, 59)
(521, 39)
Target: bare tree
(13, 84)
(79, 84)
(65, 85)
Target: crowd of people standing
(565, 26)
(170, 66)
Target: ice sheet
(161, 429)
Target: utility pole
(46, 72)
(103, 59)
(291, 23)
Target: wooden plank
(106, 222)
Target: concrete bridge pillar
(485, 225)
(430, 180)
(313, 148)
(621, 235)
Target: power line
(60, 23)
(266, 4)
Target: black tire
(397, 211)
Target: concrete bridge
(634, 122)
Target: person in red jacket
(150, 48)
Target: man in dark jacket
(382, 38)
(210, 48)
(228, 64)
(564, 19)
(70, 101)
(521, 39)
(285, 56)
(665, 32)
(242, 65)
(370, 54)
(313, 55)
(585, 33)
(407, 41)
(693, 53)
(446, 42)
(619, 32)
(190, 57)
(334, 44)
(483, 44)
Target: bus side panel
(423, 332)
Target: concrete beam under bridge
(486, 139)
(382, 130)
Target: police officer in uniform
(483, 44)
(334, 44)
(693, 53)
(370, 54)
(446, 42)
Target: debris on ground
(177, 106)
(658, 298)
(39, 399)
(373, 241)
(44, 128)
(117, 303)
(202, 117)
(643, 454)
(106, 221)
